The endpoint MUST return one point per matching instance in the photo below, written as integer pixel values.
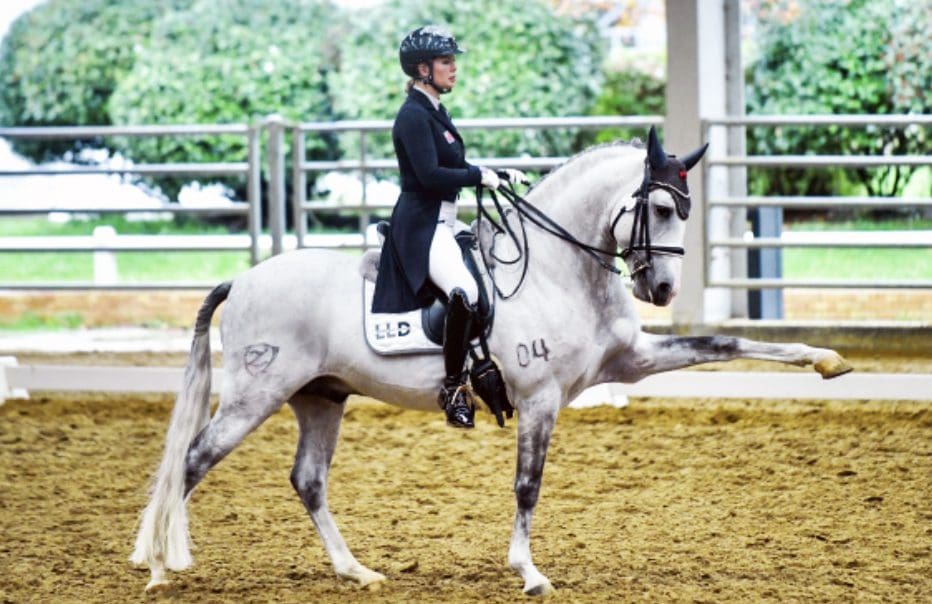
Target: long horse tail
(162, 541)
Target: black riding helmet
(423, 45)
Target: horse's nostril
(664, 290)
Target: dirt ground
(686, 500)
(666, 500)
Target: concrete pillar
(737, 145)
(696, 88)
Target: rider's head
(427, 55)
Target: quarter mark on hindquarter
(258, 357)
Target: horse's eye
(664, 211)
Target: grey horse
(292, 332)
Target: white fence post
(276, 152)
(254, 191)
(298, 186)
(105, 264)
(6, 391)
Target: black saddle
(434, 315)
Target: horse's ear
(692, 158)
(655, 153)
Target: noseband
(639, 241)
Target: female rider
(420, 256)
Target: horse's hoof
(365, 577)
(833, 366)
(371, 580)
(159, 581)
(158, 586)
(541, 589)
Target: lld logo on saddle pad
(394, 333)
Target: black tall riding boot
(455, 398)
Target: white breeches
(446, 268)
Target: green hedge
(628, 93)
(839, 57)
(228, 61)
(521, 60)
(60, 62)
(80, 62)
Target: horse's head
(650, 226)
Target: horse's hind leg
(238, 415)
(319, 427)
(227, 428)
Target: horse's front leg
(658, 353)
(535, 425)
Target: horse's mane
(634, 143)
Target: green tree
(830, 58)
(909, 62)
(60, 62)
(628, 92)
(909, 56)
(228, 61)
(521, 60)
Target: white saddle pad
(394, 333)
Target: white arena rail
(17, 380)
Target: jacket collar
(435, 103)
(419, 98)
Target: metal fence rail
(818, 202)
(301, 206)
(281, 134)
(250, 169)
(732, 200)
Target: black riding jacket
(432, 160)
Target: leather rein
(639, 240)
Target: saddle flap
(434, 315)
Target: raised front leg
(658, 353)
(535, 425)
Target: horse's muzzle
(662, 294)
(646, 290)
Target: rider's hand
(513, 176)
(490, 179)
